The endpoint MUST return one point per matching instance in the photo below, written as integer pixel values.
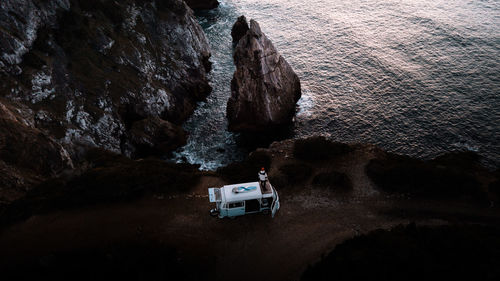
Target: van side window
(236, 205)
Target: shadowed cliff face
(27, 155)
(119, 75)
(89, 70)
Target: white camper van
(244, 198)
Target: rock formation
(90, 74)
(239, 29)
(202, 4)
(156, 136)
(89, 69)
(264, 88)
(27, 155)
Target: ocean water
(415, 77)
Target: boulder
(156, 136)
(264, 88)
(452, 175)
(202, 4)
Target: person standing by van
(263, 178)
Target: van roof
(254, 192)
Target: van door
(276, 205)
(236, 209)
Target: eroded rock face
(88, 70)
(264, 88)
(27, 155)
(156, 136)
(202, 4)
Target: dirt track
(310, 223)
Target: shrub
(318, 149)
(397, 173)
(296, 172)
(333, 180)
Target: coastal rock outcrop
(156, 136)
(239, 29)
(27, 155)
(89, 69)
(264, 88)
(77, 74)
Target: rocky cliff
(27, 155)
(264, 88)
(80, 73)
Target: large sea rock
(264, 88)
(87, 73)
(239, 29)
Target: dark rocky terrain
(109, 74)
(27, 155)
(414, 253)
(117, 209)
(264, 88)
(92, 93)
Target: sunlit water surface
(414, 77)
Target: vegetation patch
(319, 149)
(333, 180)
(414, 253)
(448, 176)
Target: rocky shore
(106, 177)
(93, 93)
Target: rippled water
(415, 77)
